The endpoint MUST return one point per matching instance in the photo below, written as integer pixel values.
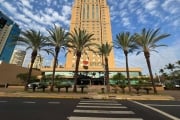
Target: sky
(126, 15)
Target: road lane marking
(3, 101)
(163, 105)
(54, 102)
(99, 101)
(103, 111)
(98, 118)
(157, 110)
(29, 102)
(100, 106)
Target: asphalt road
(84, 109)
(170, 107)
(36, 109)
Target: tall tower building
(18, 57)
(94, 17)
(8, 29)
(38, 62)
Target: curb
(87, 96)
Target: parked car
(177, 83)
(34, 84)
(172, 84)
(37, 85)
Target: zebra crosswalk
(102, 110)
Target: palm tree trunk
(127, 72)
(54, 69)
(76, 71)
(107, 74)
(33, 57)
(147, 56)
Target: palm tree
(146, 42)
(161, 71)
(79, 41)
(126, 42)
(35, 41)
(104, 50)
(170, 67)
(57, 37)
(178, 64)
(162, 76)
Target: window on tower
(2, 22)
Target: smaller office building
(8, 73)
(18, 57)
(8, 29)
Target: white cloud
(176, 23)
(132, 6)
(164, 56)
(48, 2)
(49, 10)
(66, 10)
(158, 14)
(26, 3)
(23, 18)
(142, 18)
(123, 13)
(126, 21)
(171, 6)
(9, 7)
(122, 4)
(54, 2)
(150, 5)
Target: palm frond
(148, 39)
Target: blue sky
(126, 15)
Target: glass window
(97, 12)
(87, 11)
(93, 11)
(83, 11)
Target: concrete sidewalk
(18, 92)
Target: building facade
(38, 62)
(18, 57)
(8, 29)
(9, 72)
(92, 16)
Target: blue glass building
(8, 29)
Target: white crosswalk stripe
(99, 103)
(99, 109)
(101, 106)
(96, 118)
(3, 101)
(104, 111)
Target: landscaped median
(18, 92)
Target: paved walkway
(18, 92)
(173, 93)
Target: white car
(35, 84)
